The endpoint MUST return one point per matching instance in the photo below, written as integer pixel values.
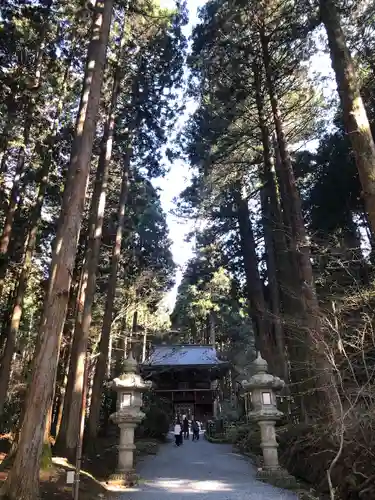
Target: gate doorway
(181, 409)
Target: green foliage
(155, 424)
(246, 437)
(12, 411)
(158, 417)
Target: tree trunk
(16, 315)
(273, 288)
(253, 281)
(314, 366)
(23, 480)
(144, 346)
(13, 201)
(29, 109)
(134, 329)
(4, 144)
(88, 280)
(355, 116)
(212, 326)
(74, 309)
(5, 318)
(60, 392)
(66, 350)
(273, 233)
(101, 364)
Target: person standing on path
(185, 425)
(178, 433)
(195, 429)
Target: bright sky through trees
(177, 178)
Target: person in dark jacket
(178, 433)
(195, 429)
(185, 427)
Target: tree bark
(355, 116)
(89, 271)
(29, 110)
(5, 318)
(273, 233)
(23, 480)
(314, 367)
(101, 364)
(16, 315)
(253, 282)
(71, 415)
(144, 346)
(13, 200)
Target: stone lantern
(263, 387)
(129, 387)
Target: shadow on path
(200, 471)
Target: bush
(155, 424)
(10, 418)
(308, 450)
(246, 438)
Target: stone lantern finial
(260, 365)
(130, 363)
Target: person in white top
(178, 433)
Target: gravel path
(200, 471)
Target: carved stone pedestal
(125, 474)
(278, 477)
(129, 387)
(265, 413)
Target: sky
(178, 175)
(177, 180)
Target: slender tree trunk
(15, 317)
(315, 363)
(29, 110)
(5, 318)
(212, 326)
(355, 116)
(23, 480)
(74, 309)
(13, 201)
(134, 329)
(58, 402)
(89, 271)
(4, 144)
(66, 350)
(144, 346)
(101, 364)
(271, 230)
(273, 287)
(253, 281)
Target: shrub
(308, 450)
(155, 424)
(246, 437)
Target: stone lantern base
(125, 478)
(278, 477)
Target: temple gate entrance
(185, 376)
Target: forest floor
(96, 471)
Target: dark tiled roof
(183, 355)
